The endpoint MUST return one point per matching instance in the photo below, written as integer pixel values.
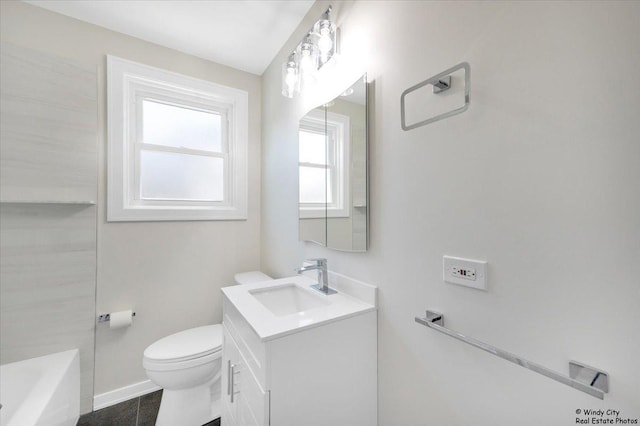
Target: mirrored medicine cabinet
(333, 193)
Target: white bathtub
(41, 391)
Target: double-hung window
(324, 164)
(177, 146)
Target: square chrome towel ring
(440, 83)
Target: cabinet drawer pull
(231, 380)
(228, 377)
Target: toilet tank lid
(187, 344)
(251, 277)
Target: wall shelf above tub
(37, 202)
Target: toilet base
(190, 407)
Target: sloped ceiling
(243, 34)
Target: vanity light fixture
(318, 47)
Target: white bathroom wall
(539, 178)
(170, 273)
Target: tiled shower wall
(48, 212)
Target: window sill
(174, 214)
(322, 213)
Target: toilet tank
(251, 277)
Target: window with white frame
(177, 146)
(324, 165)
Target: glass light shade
(308, 61)
(325, 32)
(308, 55)
(290, 78)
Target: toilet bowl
(186, 365)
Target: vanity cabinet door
(230, 363)
(253, 403)
(244, 403)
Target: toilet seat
(154, 365)
(185, 349)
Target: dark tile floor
(141, 411)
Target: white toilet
(187, 366)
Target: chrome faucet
(323, 281)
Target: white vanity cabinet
(314, 376)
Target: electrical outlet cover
(466, 272)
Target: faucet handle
(320, 261)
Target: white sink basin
(276, 308)
(287, 299)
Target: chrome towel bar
(581, 377)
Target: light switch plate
(466, 272)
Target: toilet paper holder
(107, 317)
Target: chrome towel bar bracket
(592, 381)
(440, 83)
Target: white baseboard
(115, 396)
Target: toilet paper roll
(121, 319)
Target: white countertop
(269, 326)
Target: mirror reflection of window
(333, 172)
(313, 164)
(324, 164)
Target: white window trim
(127, 84)
(339, 125)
